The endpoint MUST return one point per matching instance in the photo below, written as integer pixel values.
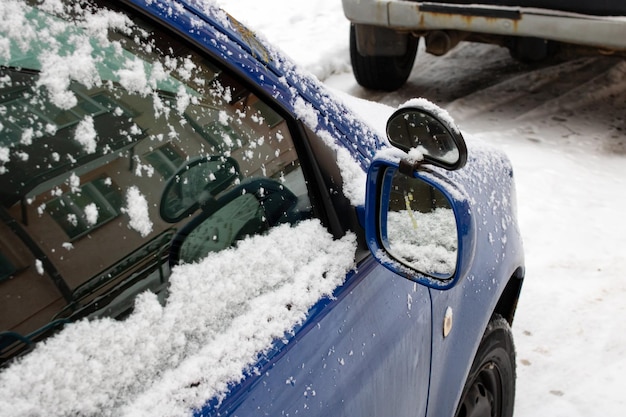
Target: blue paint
(377, 348)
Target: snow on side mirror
(430, 131)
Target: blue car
(191, 225)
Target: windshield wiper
(48, 266)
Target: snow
(354, 179)
(137, 210)
(427, 105)
(353, 176)
(132, 77)
(563, 126)
(434, 249)
(91, 214)
(306, 113)
(186, 349)
(164, 359)
(58, 70)
(86, 134)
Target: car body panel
(474, 300)
(489, 226)
(476, 296)
(598, 7)
(355, 356)
(377, 318)
(593, 30)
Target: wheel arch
(507, 303)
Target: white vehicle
(384, 34)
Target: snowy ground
(564, 127)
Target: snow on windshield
(137, 210)
(162, 360)
(221, 312)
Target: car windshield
(133, 155)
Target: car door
(366, 353)
(208, 157)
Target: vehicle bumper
(604, 32)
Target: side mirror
(418, 226)
(196, 183)
(434, 135)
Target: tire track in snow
(583, 100)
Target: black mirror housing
(428, 130)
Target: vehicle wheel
(490, 387)
(386, 73)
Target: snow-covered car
(191, 225)
(384, 34)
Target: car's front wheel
(382, 72)
(490, 387)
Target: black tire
(387, 73)
(490, 387)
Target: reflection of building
(56, 261)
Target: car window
(159, 158)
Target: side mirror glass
(418, 227)
(435, 137)
(195, 184)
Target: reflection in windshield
(71, 242)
